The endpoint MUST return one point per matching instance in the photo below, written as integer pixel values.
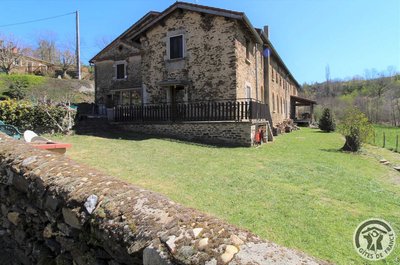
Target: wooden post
(384, 140)
(397, 143)
(374, 137)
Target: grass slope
(390, 133)
(299, 191)
(35, 87)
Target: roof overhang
(125, 33)
(269, 45)
(300, 101)
(170, 82)
(38, 60)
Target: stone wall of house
(246, 66)
(105, 78)
(209, 63)
(280, 89)
(218, 133)
(56, 211)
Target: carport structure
(302, 110)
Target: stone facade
(280, 90)
(223, 57)
(209, 60)
(249, 66)
(105, 73)
(56, 211)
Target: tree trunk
(394, 121)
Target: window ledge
(175, 60)
(247, 61)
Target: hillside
(378, 98)
(46, 89)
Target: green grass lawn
(390, 135)
(299, 191)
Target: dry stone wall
(218, 133)
(56, 211)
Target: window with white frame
(248, 92)
(176, 47)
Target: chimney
(14, 50)
(266, 31)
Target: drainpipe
(255, 57)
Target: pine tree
(327, 121)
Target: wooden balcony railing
(221, 110)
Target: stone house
(196, 72)
(30, 65)
(24, 64)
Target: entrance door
(177, 99)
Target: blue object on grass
(10, 131)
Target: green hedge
(26, 116)
(20, 80)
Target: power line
(36, 20)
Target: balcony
(238, 110)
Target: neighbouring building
(24, 64)
(30, 65)
(199, 73)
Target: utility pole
(78, 47)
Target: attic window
(176, 47)
(120, 47)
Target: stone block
(70, 217)
(51, 203)
(153, 257)
(13, 217)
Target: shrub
(40, 118)
(327, 121)
(17, 85)
(17, 89)
(16, 113)
(356, 128)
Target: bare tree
(9, 55)
(103, 41)
(46, 50)
(328, 80)
(67, 61)
(46, 47)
